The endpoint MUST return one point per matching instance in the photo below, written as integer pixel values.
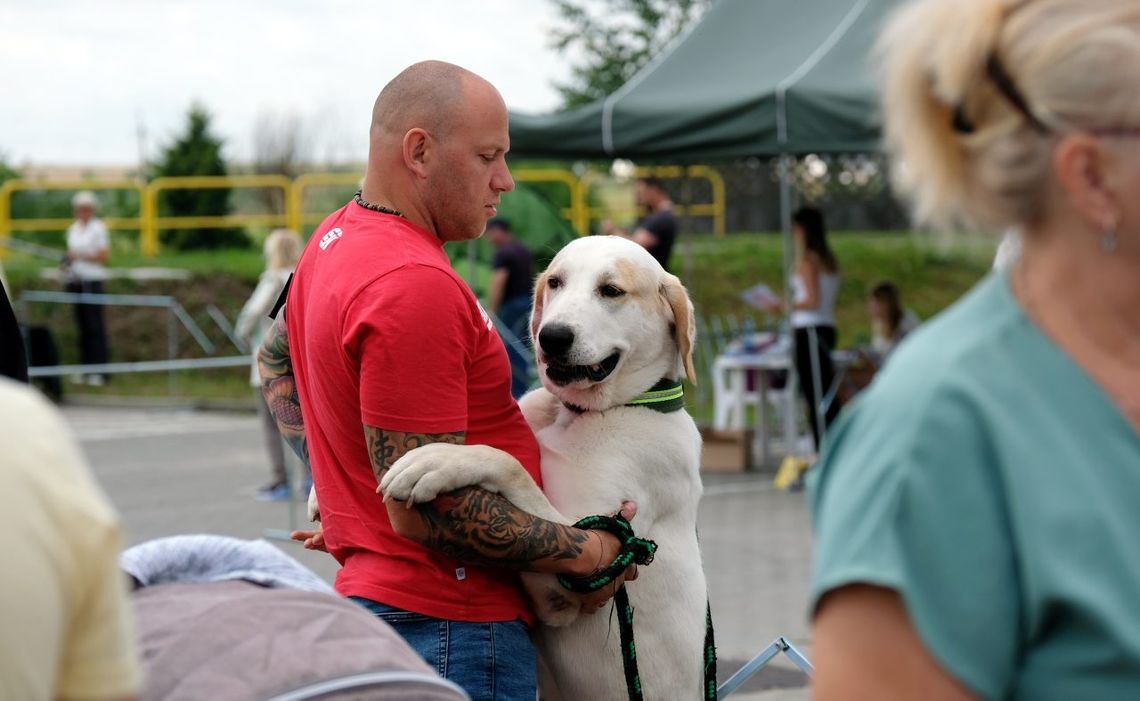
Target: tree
(7, 172)
(616, 39)
(196, 152)
(282, 145)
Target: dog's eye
(554, 283)
(610, 291)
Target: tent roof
(752, 78)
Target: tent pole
(792, 393)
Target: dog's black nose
(556, 339)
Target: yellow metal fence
(293, 215)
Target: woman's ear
(1082, 169)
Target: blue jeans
(491, 661)
(515, 315)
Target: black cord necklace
(359, 199)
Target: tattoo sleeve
(279, 388)
(471, 524)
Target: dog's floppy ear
(536, 308)
(684, 322)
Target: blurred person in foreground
(657, 230)
(282, 250)
(65, 631)
(976, 510)
(382, 348)
(88, 251)
(512, 284)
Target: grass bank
(931, 274)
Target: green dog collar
(666, 396)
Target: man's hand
(312, 540)
(609, 548)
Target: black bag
(43, 352)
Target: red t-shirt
(383, 332)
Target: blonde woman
(282, 250)
(976, 510)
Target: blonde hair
(282, 249)
(1074, 62)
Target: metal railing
(149, 221)
(8, 224)
(176, 314)
(153, 222)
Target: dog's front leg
(539, 407)
(437, 468)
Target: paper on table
(760, 296)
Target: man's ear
(1082, 169)
(417, 151)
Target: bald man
(387, 349)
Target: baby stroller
(220, 618)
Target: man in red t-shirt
(384, 348)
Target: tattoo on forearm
(279, 388)
(483, 528)
(386, 447)
(474, 525)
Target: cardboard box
(726, 451)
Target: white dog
(609, 324)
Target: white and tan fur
(593, 461)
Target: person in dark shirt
(657, 231)
(512, 282)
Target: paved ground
(179, 471)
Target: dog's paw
(423, 474)
(558, 610)
(553, 605)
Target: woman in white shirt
(88, 250)
(815, 286)
(282, 250)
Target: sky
(96, 83)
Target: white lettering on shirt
(329, 238)
(486, 317)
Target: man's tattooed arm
(280, 389)
(479, 527)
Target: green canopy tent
(753, 78)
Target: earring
(1108, 239)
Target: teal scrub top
(995, 487)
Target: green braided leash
(710, 656)
(634, 550)
(639, 551)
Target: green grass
(230, 384)
(23, 270)
(931, 273)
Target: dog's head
(609, 322)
